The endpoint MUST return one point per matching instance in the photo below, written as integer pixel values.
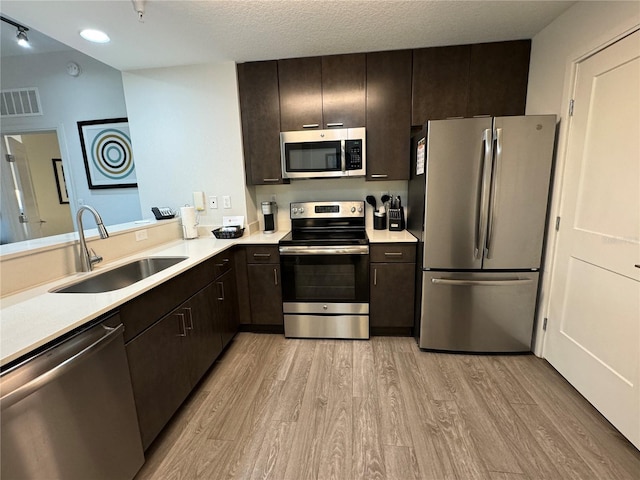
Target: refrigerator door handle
(495, 181)
(484, 184)
(481, 283)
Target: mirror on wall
(46, 90)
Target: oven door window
(314, 156)
(325, 278)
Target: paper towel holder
(189, 221)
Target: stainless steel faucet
(89, 258)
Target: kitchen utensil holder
(396, 219)
(379, 221)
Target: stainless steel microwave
(338, 152)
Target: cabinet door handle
(375, 277)
(311, 125)
(335, 124)
(188, 310)
(379, 175)
(637, 265)
(270, 179)
(275, 276)
(183, 333)
(221, 285)
(392, 254)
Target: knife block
(396, 219)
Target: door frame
(557, 196)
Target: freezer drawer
(478, 312)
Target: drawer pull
(261, 255)
(270, 179)
(224, 263)
(311, 125)
(393, 254)
(379, 175)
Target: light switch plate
(226, 201)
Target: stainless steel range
(325, 271)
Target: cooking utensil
(371, 200)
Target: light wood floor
(382, 409)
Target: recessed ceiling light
(95, 36)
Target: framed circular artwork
(107, 153)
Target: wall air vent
(20, 102)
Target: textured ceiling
(189, 32)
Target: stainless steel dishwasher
(68, 412)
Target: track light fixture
(21, 34)
(23, 40)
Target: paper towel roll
(189, 222)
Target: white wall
(185, 122)
(96, 94)
(583, 29)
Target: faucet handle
(93, 258)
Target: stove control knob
(301, 209)
(294, 210)
(359, 209)
(353, 209)
(325, 307)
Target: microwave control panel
(353, 154)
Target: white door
(593, 334)
(20, 215)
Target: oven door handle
(329, 250)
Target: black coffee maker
(270, 212)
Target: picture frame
(107, 153)
(61, 183)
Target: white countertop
(387, 236)
(35, 317)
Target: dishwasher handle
(14, 396)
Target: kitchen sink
(122, 276)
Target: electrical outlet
(226, 201)
(213, 202)
(141, 235)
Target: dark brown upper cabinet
(343, 90)
(469, 80)
(260, 111)
(440, 83)
(388, 114)
(322, 92)
(498, 76)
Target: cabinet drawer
(393, 252)
(263, 254)
(222, 263)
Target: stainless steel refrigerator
(477, 203)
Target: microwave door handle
(343, 157)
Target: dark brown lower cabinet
(168, 359)
(227, 301)
(392, 289)
(265, 294)
(170, 351)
